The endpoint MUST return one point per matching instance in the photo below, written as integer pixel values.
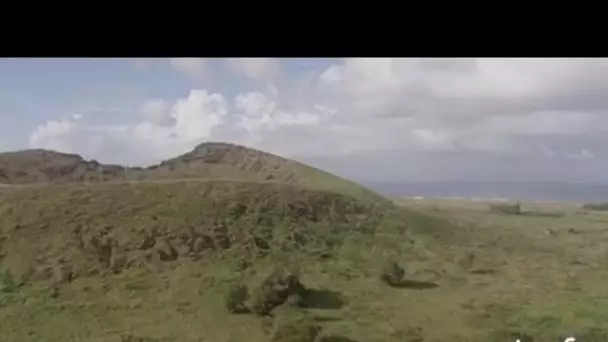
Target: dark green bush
(7, 283)
(538, 213)
(596, 206)
(275, 290)
(506, 208)
(8, 287)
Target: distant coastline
(460, 198)
(494, 191)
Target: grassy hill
(227, 161)
(206, 161)
(67, 223)
(154, 260)
(43, 166)
(228, 244)
(215, 198)
(103, 228)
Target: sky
(392, 119)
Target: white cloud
(192, 118)
(551, 109)
(545, 123)
(55, 135)
(485, 104)
(260, 69)
(431, 139)
(583, 154)
(72, 136)
(259, 111)
(466, 85)
(157, 111)
(198, 114)
(194, 67)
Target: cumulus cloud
(474, 86)
(167, 129)
(157, 111)
(71, 135)
(164, 131)
(259, 112)
(474, 103)
(186, 123)
(260, 69)
(472, 109)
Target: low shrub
(538, 213)
(596, 206)
(276, 288)
(7, 283)
(8, 288)
(506, 208)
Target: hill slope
(43, 166)
(85, 245)
(109, 227)
(206, 161)
(154, 260)
(216, 198)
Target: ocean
(522, 191)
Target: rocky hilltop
(206, 161)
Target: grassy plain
(472, 275)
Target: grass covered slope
(42, 166)
(206, 161)
(107, 253)
(103, 262)
(100, 228)
(230, 244)
(228, 161)
(156, 262)
(541, 270)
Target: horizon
(522, 191)
(394, 119)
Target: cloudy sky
(369, 119)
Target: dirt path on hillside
(145, 181)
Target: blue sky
(393, 118)
(35, 90)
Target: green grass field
(471, 275)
